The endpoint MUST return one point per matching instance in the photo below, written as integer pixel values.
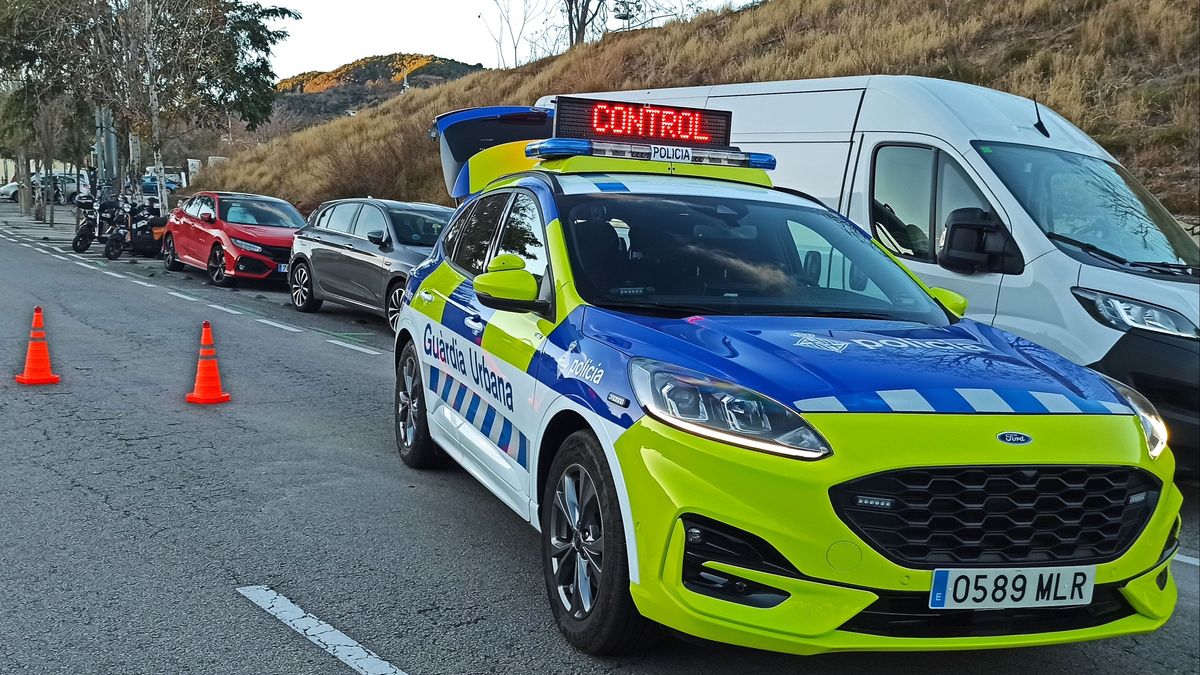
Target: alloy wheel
(216, 265)
(393, 307)
(408, 401)
(577, 541)
(300, 286)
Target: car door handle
(426, 296)
(475, 323)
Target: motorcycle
(98, 218)
(141, 235)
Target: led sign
(633, 122)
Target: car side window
(523, 237)
(322, 218)
(342, 218)
(370, 219)
(477, 233)
(454, 231)
(207, 205)
(192, 208)
(902, 200)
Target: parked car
(1064, 248)
(231, 236)
(10, 191)
(149, 186)
(359, 252)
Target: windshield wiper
(662, 308)
(1163, 267)
(845, 314)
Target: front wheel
(301, 286)
(217, 273)
(416, 447)
(584, 560)
(82, 241)
(113, 247)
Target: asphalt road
(130, 518)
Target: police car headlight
(723, 411)
(1152, 423)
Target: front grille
(277, 253)
(999, 515)
(908, 615)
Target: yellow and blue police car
(728, 412)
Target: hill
(1126, 71)
(318, 96)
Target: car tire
(603, 621)
(217, 274)
(170, 259)
(413, 441)
(392, 303)
(300, 284)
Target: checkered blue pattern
(487, 419)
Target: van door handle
(426, 296)
(475, 323)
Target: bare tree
(515, 19)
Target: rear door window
(342, 218)
(370, 219)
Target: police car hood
(851, 365)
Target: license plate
(1009, 588)
(283, 267)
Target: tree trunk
(24, 196)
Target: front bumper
(249, 265)
(839, 580)
(1163, 368)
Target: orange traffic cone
(37, 356)
(208, 377)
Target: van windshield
(668, 255)
(1089, 204)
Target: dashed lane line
(181, 296)
(1187, 560)
(225, 309)
(142, 283)
(284, 326)
(114, 274)
(328, 638)
(27, 245)
(356, 348)
(60, 257)
(84, 265)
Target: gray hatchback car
(358, 252)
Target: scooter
(138, 233)
(98, 217)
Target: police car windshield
(677, 255)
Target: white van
(1000, 199)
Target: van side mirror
(508, 287)
(975, 241)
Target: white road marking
(41, 251)
(27, 245)
(83, 264)
(141, 283)
(356, 348)
(114, 274)
(183, 297)
(290, 329)
(76, 255)
(60, 257)
(225, 309)
(1187, 560)
(332, 640)
(60, 250)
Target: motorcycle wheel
(113, 248)
(81, 242)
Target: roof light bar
(559, 148)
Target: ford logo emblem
(1014, 438)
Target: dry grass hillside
(1126, 71)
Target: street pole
(155, 123)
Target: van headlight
(723, 411)
(1152, 424)
(1125, 313)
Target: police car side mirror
(508, 287)
(975, 241)
(952, 301)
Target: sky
(335, 32)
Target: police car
(729, 413)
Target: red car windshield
(260, 212)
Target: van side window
(902, 200)
(915, 191)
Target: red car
(231, 236)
